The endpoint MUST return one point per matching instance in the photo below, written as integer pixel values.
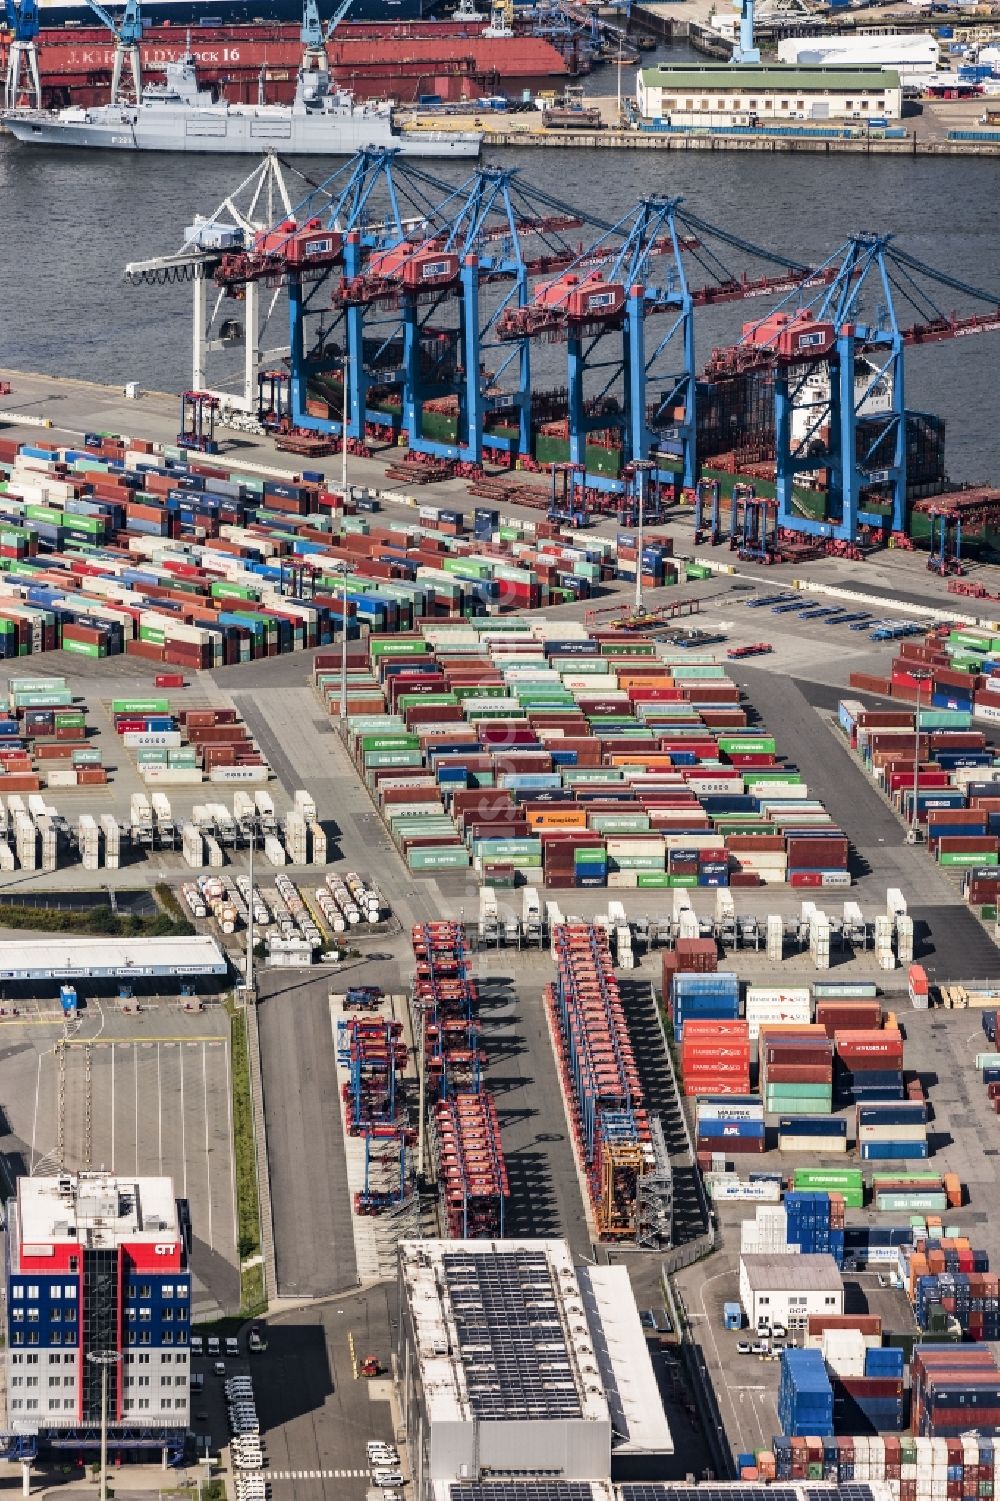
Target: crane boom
(25, 24)
(128, 35)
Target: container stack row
(715, 1057)
(955, 1389)
(730, 1124)
(942, 772)
(466, 1131)
(260, 561)
(805, 1396)
(913, 1468)
(574, 760)
(895, 1130)
(43, 738)
(599, 1076)
(949, 1284)
(795, 1070)
(699, 997)
(184, 747)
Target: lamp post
(105, 1359)
(250, 912)
(342, 569)
(642, 468)
(343, 433)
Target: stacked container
(848, 1015)
(955, 1389)
(715, 1059)
(704, 997)
(848, 1182)
(911, 1469)
(805, 1396)
(816, 1223)
(730, 1124)
(796, 1070)
(870, 1065)
(769, 1005)
(892, 1130)
(819, 1134)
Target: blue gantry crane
(128, 40)
(617, 377)
(22, 60)
(839, 382)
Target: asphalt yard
(145, 1094)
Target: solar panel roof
(510, 1336)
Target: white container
(273, 850)
(317, 843)
(150, 739)
(172, 776)
(251, 775)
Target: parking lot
(145, 1094)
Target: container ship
(407, 61)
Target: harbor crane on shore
(600, 306)
(24, 24)
(314, 35)
(745, 53)
(247, 210)
(851, 325)
(128, 39)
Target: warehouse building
(915, 56)
(97, 1265)
(787, 1289)
(718, 94)
(514, 1367)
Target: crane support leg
(474, 399)
(23, 58)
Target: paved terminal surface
(144, 1094)
(311, 1209)
(158, 1083)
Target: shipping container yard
(588, 899)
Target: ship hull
(232, 133)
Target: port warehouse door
(820, 109)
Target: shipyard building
(788, 1289)
(516, 1367)
(719, 94)
(97, 1265)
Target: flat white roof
(797, 1274)
(454, 1364)
(623, 1357)
(97, 1209)
(58, 958)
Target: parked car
(743, 1348)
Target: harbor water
(71, 220)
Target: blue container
(812, 1125)
(906, 1113)
(894, 1151)
(884, 1363)
(742, 1130)
(805, 1396)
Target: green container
(748, 745)
(389, 742)
(905, 1203)
(152, 757)
(397, 646)
(85, 648)
(86, 757)
(652, 880)
(967, 857)
(379, 759)
(140, 706)
(447, 857)
(687, 880)
(829, 1179)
